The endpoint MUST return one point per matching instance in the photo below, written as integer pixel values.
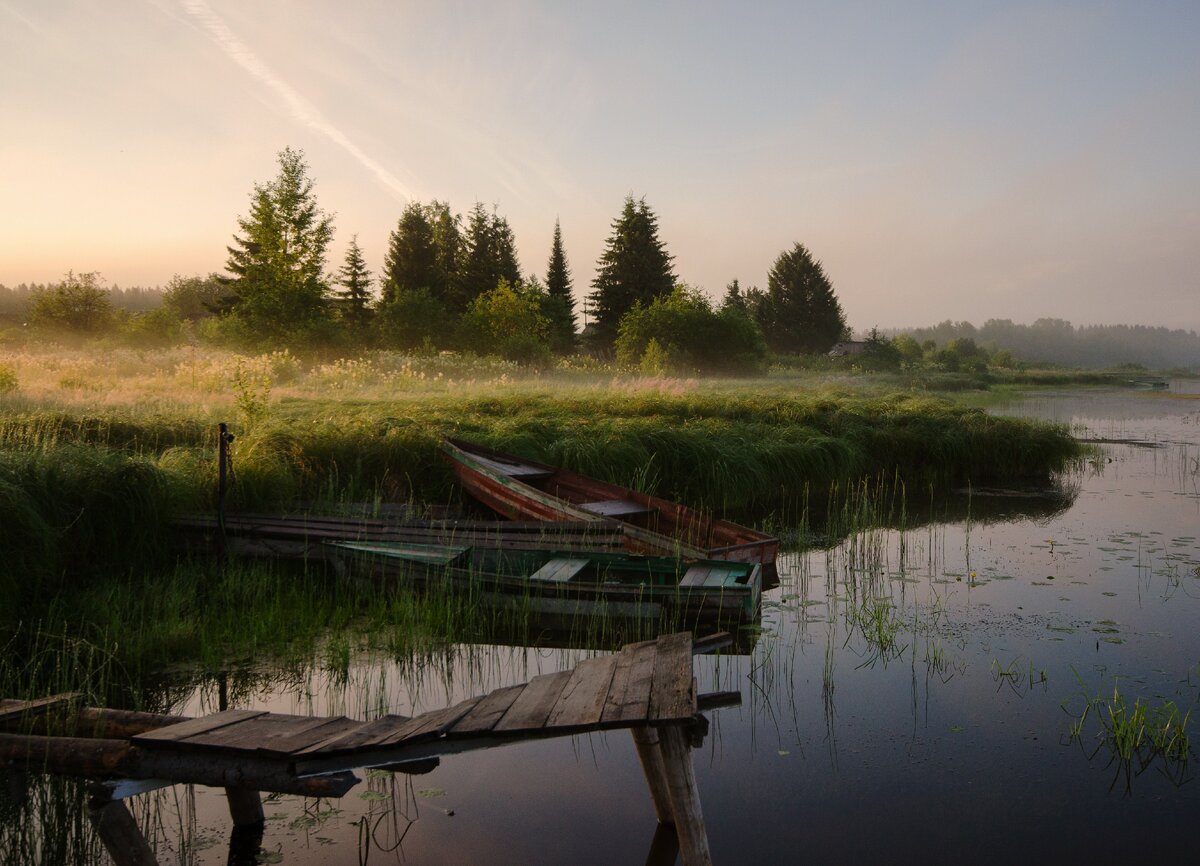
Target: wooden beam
(76, 756)
(684, 795)
(712, 643)
(645, 739)
(120, 834)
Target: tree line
(454, 282)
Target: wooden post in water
(685, 796)
(645, 738)
(119, 832)
(245, 807)
(224, 437)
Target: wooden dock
(305, 536)
(647, 687)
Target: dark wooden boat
(303, 536)
(574, 584)
(523, 489)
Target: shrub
(681, 333)
(8, 379)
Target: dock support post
(645, 739)
(245, 807)
(685, 796)
(119, 832)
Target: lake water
(909, 700)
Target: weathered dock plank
(175, 734)
(582, 700)
(487, 712)
(633, 703)
(258, 733)
(354, 738)
(531, 708)
(428, 725)
(672, 696)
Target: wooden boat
(523, 489)
(302, 536)
(571, 583)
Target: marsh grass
(1136, 736)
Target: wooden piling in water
(245, 807)
(685, 796)
(119, 832)
(645, 739)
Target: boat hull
(526, 490)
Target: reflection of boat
(526, 490)
(574, 584)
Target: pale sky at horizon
(945, 160)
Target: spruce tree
(411, 261)
(799, 313)
(490, 255)
(559, 306)
(276, 267)
(634, 268)
(355, 280)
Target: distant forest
(14, 302)
(1056, 341)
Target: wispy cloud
(297, 106)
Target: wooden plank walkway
(647, 687)
(646, 683)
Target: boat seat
(513, 469)
(561, 569)
(616, 508)
(711, 575)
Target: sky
(943, 160)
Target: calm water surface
(909, 700)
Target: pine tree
(276, 267)
(559, 306)
(799, 312)
(355, 280)
(634, 268)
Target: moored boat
(571, 583)
(522, 489)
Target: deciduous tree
(79, 304)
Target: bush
(411, 319)
(8, 379)
(508, 321)
(681, 333)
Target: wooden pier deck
(647, 687)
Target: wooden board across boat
(572, 583)
(522, 489)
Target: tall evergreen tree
(634, 268)
(355, 280)
(448, 247)
(490, 254)
(276, 267)
(411, 260)
(559, 304)
(799, 312)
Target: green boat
(577, 584)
